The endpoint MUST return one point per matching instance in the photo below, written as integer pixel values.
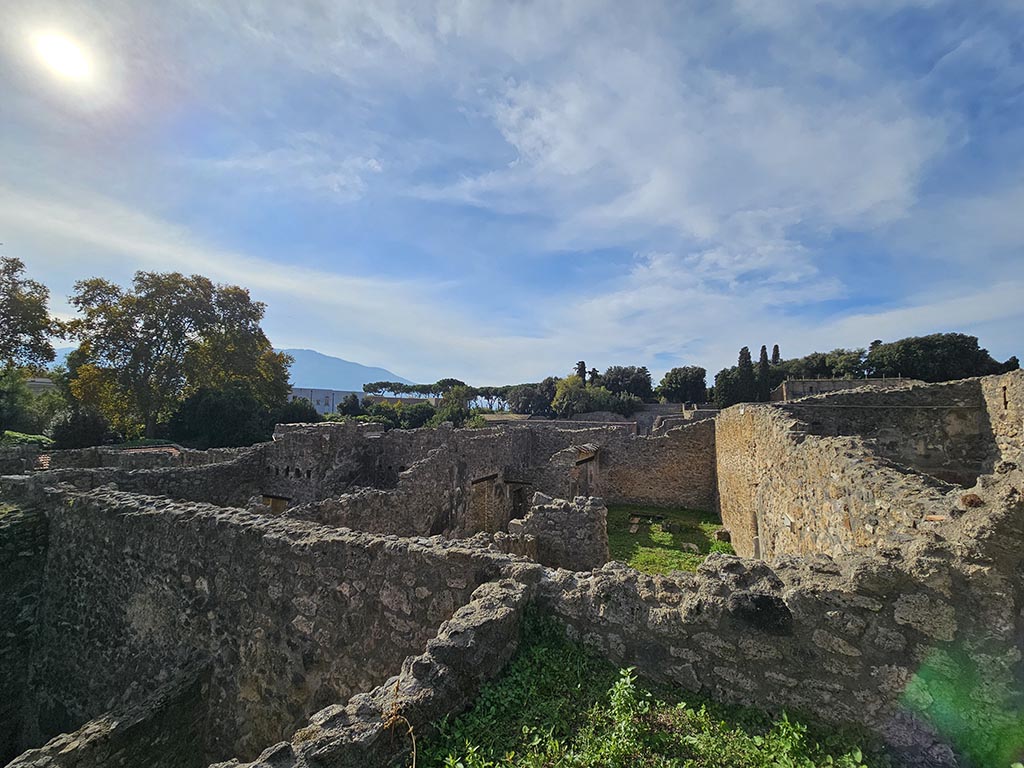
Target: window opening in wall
(1006, 403)
(309, 474)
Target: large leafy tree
(25, 323)
(684, 384)
(219, 418)
(937, 357)
(234, 350)
(630, 379)
(168, 335)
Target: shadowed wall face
(292, 616)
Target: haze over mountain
(319, 371)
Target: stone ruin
(298, 603)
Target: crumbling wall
(922, 647)
(568, 534)
(782, 491)
(372, 729)
(23, 543)
(165, 730)
(940, 429)
(228, 484)
(1004, 401)
(292, 615)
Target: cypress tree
(776, 357)
(764, 384)
(746, 381)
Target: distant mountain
(319, 371)
(314, 370)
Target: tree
(169, 335)
(220, 418)
(684, 385)
(726, 390)
(234, 349)
(594, 378)
(776, 356)
(573, 397)
(15, 398)
(581, 371)
(746, 381)
(350, 405)
(416, 415)
(25, 323)
(630, 379)
(764, 384)
(297, 411)
(81, 427)
(938, 357)
(454, 406)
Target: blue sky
(495, 190)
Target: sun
(63, 56)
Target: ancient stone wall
(231, 483)
(17, 459)
(1004, 401)
(670, 470)
(372, 729)
(940, 429)
(292, 615)
(782, 491)
(568, 534)
(23, 543)
(164, 730)
(922, 647)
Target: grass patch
(558, 706)
(654, 549)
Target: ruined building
(284, 605)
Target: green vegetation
(653, 548)
(19, 438)
(558, 706)
(937, 357)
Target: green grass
(652, 549)
(558, 706)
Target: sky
(493, 191)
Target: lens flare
(63, 56)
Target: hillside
(317, 370)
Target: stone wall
(940, 429)
(23, 543)
(1004, 401)
(17, 459)
(676, 469)
(164, 730)
(921, 646)
(782, 491)
(568, 534)
(292, 615)
(372, 729)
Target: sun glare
(63, 56)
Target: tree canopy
(25, 324)
(684, 384)
(170, 334)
